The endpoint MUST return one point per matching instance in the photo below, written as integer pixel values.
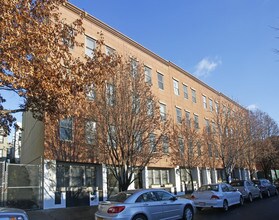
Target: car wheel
(261, 195)
(250, 197)
(139, 217)
(241, 201)
(225, 206)
(268, 193)
(188, 213)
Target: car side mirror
(173, 198)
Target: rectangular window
(216, 107)
(165, 144)
(138, 141)
(207, 125)
(112, 136)
(109, 51)
(90, 132)
(196, 121)
(163, 112)
(110, 94)
(66, 129)
(90, 45)
(1, 139)
(90, 93)
(150, 107)
(190, 147)
(194, 98)
(199, 149)
(181, 145)
(204, 102)
(185, 91)
(68, 36)
(1, 153)
(210, 105)
(176, 87)
(209, 150)
(152, 142)
(188, 119)
(147, 72)
(136, 104)
(134, 67)
(178, 115)
(160, 81)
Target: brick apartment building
(85, 182)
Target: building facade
(83, 181)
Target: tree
(229, 136)
(38, 62)
(129, 130)
(186, 147)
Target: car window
(147, 197)
(161, 195)
(119, 197)
(225, 188)
(248, 183)
(209, 188)
(231, 189)
(237, 183)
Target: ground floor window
(75, 175)
(158, 177)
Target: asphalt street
(265, 209)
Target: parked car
(266, 187)
(219, 195)
(248, 189)
(13, 214)
(145, 204)
(276, 183)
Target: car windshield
(237, 183)
(209, 188)
(120, 197)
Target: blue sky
(228, 44)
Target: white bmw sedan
(219, 195)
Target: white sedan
(219, 195)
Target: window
(160, 177)
(210, 105)
(110, 94)
(199, 149)
(188, 120)
(147, 72)
(1, 153)
(160, 81)
(109, 50)
(175, 87)
(207, 125)
(134, 67)
(90, 45)
(90, 93)
(178, 115)
(209, 150)
(138, 141)
(185, 91)
(68, 36)
(204, 102)
(136, 104)
(181, 145)
(163, 112)
(152, 142)
(90, 132)
(216, 107)
(66, 129)
(150, 108)
(165, 144)
(190, 147)
(194, 99)
(112, 136)
(196, 121)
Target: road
(266, 209)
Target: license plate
(202, 203)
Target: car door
(234, 194)
(151, 205)
(251, 188)
(226, 193)
(170, 205)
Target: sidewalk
(74, 213)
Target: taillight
(214, 197)
(116, 209)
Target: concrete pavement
(74, 213)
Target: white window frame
(160, 78)
(176, 87)
(89, 50)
